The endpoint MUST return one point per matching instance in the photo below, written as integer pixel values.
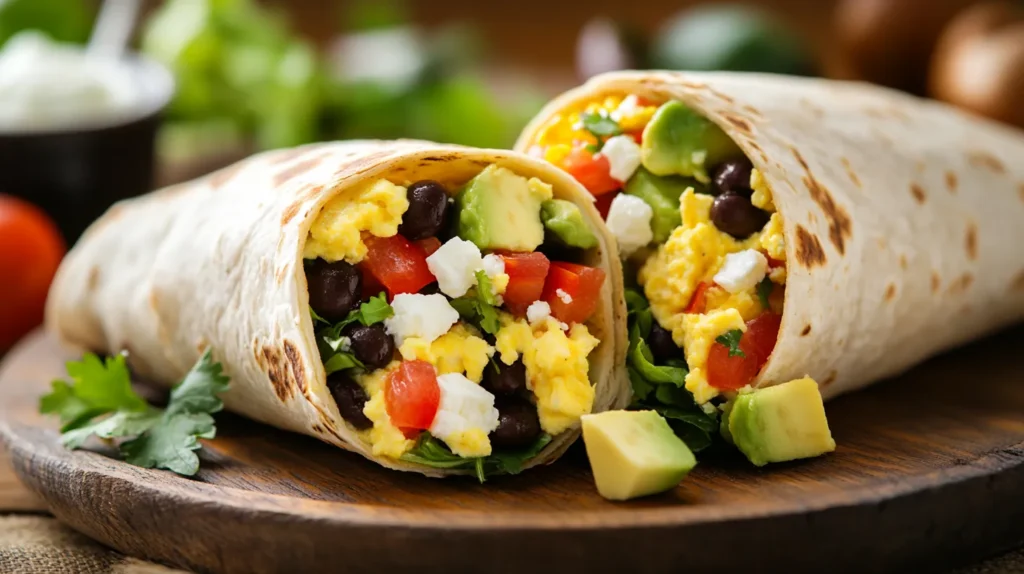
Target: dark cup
(75, 174)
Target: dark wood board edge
(972, 514)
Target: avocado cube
(780, 423)
(662, 194)
(634, 453)
(564, 220)
(679, 141)
(499, 209)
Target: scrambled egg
(459, 350)
(563, 129)
(694, 253)
(336, 233)
(762, 196)
(556, 367)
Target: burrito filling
(697, 226)
(452, 319)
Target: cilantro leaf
(101, 402)
(480, 307)
(600, 126)
(433, 453)
(375, 310)
(485, 289)
(764, 291)
(641, 360)
(731, 339)
(341, 361)
(331, 342)
(317, 318)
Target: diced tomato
(730, 373)
(772, 262)
(644, 102)
(371, 286)
(398, 264)
(580, 288)
(411, 395)
(604, 204)
(698, 302)
(526, 273)
(429, 245)
(591, 171)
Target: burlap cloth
(33, 542)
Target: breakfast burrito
(775, 228)
(437, 309)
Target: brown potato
(979, 62)
(890, 42)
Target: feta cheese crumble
(454, 264)
(424, 316)
(629, 220)
(565, 297)
(742, 271)
(465, 406)
(623, 155)
(538, 311)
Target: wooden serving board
(929, 473)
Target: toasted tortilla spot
(850, 173)
(951, 181)
(800, 159)
(221, 177)
(298, 169)
(920, 166)
(287, 155)
(739, 123)
(752, 110)
(890, 292)
(961, 284)
(280, 275)
(201, 345)
(754, 146)
(882, 243)
(984, 159)
(806, 331)
(810, 106)
(1018, 282)
(721, 96)
(317, 428)
(446, 157)
(693, 85)
(295, 360)
(839, 223)
(936, 282)
(93, 280)
(831, 378)
(362, 164)
(918, 192)
(290, 212)
(808, 248)
(274, 363)
(154, 300)
(971, 241)
(1020, 190)
(903, 261)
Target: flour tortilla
(217, 262)
(904, 218)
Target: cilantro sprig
(731, 339)
(662, 387)
(333, 344)
(480, 307)
(764, 291)
(433, 453)
(601, 127)
(99, 401)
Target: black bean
(733, 176)
(350, 398)
(518, 424)
(428, 206)
(505, 379)
(430, 289)
(735, 215)
(334, 288)
(372, 345)
(662, 346)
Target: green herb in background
(61, 20)
(100, 401)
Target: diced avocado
(634, 453)
(564, 220)
(723, 425)
(679, 141)
(501, 210)
(662, 194)
(781, 423)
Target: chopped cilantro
(764, 291)
(731, 339)
(480, 307)
(330, 341)
(100, 401)
(600, 126)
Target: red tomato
(526, 273)
(371, 286)
(31, 248)
(411, 395)
(429, 245)
(591, 171)
(773, 263)
(730, 373)
(604, 203)
(698, 301)
(644, 102)
(581, 283)
(399, 265)
(637, 135)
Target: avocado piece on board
(499, 209)
(634, 453)
(662, 194)
(780, 423)
(563, 219)
(679, 141)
